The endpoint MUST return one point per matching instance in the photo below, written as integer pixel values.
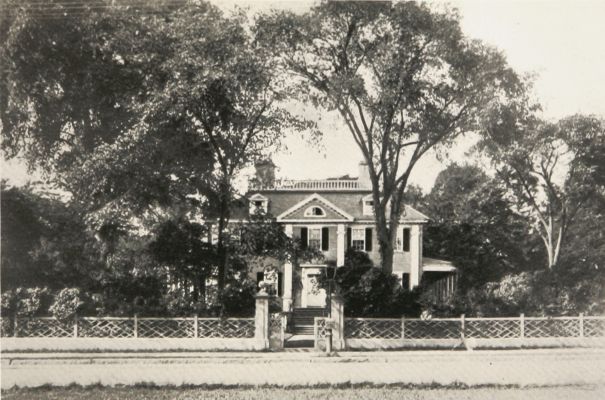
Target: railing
(108, 327)
(326, 184)
(481, 328)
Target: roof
(333, 212)
(435, 265)
(348, 204)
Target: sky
(561, 42)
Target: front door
(313, 295)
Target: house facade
(332, 216)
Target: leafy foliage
(401, 75)
(66, 304)
(473, 226)
(24, 302)
(44, 241)
(548, 168)
(371, 292)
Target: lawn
(130, 393)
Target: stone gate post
(338, 320)
(261, 320)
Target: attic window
(315, 211)
(258, 204)
(368, 207)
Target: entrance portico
(309, 297)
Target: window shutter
(280, 278)
(368, 239)
(304, 237)
(406, 239)
(325, 238)
(405, 280)
(349, 234)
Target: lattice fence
(481, 328)
(321, 327)
(226, 328)
(131, 327)
(166, 328)
(105, 328)
(594, 327)
(6, 327)
(492, 328)
(358, 328)
(432, 329)
(275, 325)
(44, 327)
(552, 327)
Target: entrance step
(300, 342)
(303, 319)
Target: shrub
(67, 304)
(371, 292)
(237, 298)
(25, 302)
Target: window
(406, 239)
(314, 238)
(402, 243)
(368, 205)
(318, 238)
(358, 239)
(315, 211)
(258, 204)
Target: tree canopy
(551, 169)
(401, 75)
(135, 113)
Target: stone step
(304, 330)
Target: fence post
(15, 326)
(403, 327)
(76, 326)
(284, 323)
(522, 325)
(261, 320)
(581, 322)
(338, 318)
(462, 328)
(196, 326)
(136, 326)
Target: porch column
(340, 245)
(287, 298)
(415, 256)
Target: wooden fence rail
(135, 327)
(481, 328)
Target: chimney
(364, 176)
(265, 173)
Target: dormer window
(368, 205)
(258, 204)
(315, 211)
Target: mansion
(334, 215)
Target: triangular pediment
(301, 211)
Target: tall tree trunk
(223, 220)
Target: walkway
(507, 367)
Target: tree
(473, 226)
(550, 169)
(135, 115)
(44, 241)
(401, 75)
